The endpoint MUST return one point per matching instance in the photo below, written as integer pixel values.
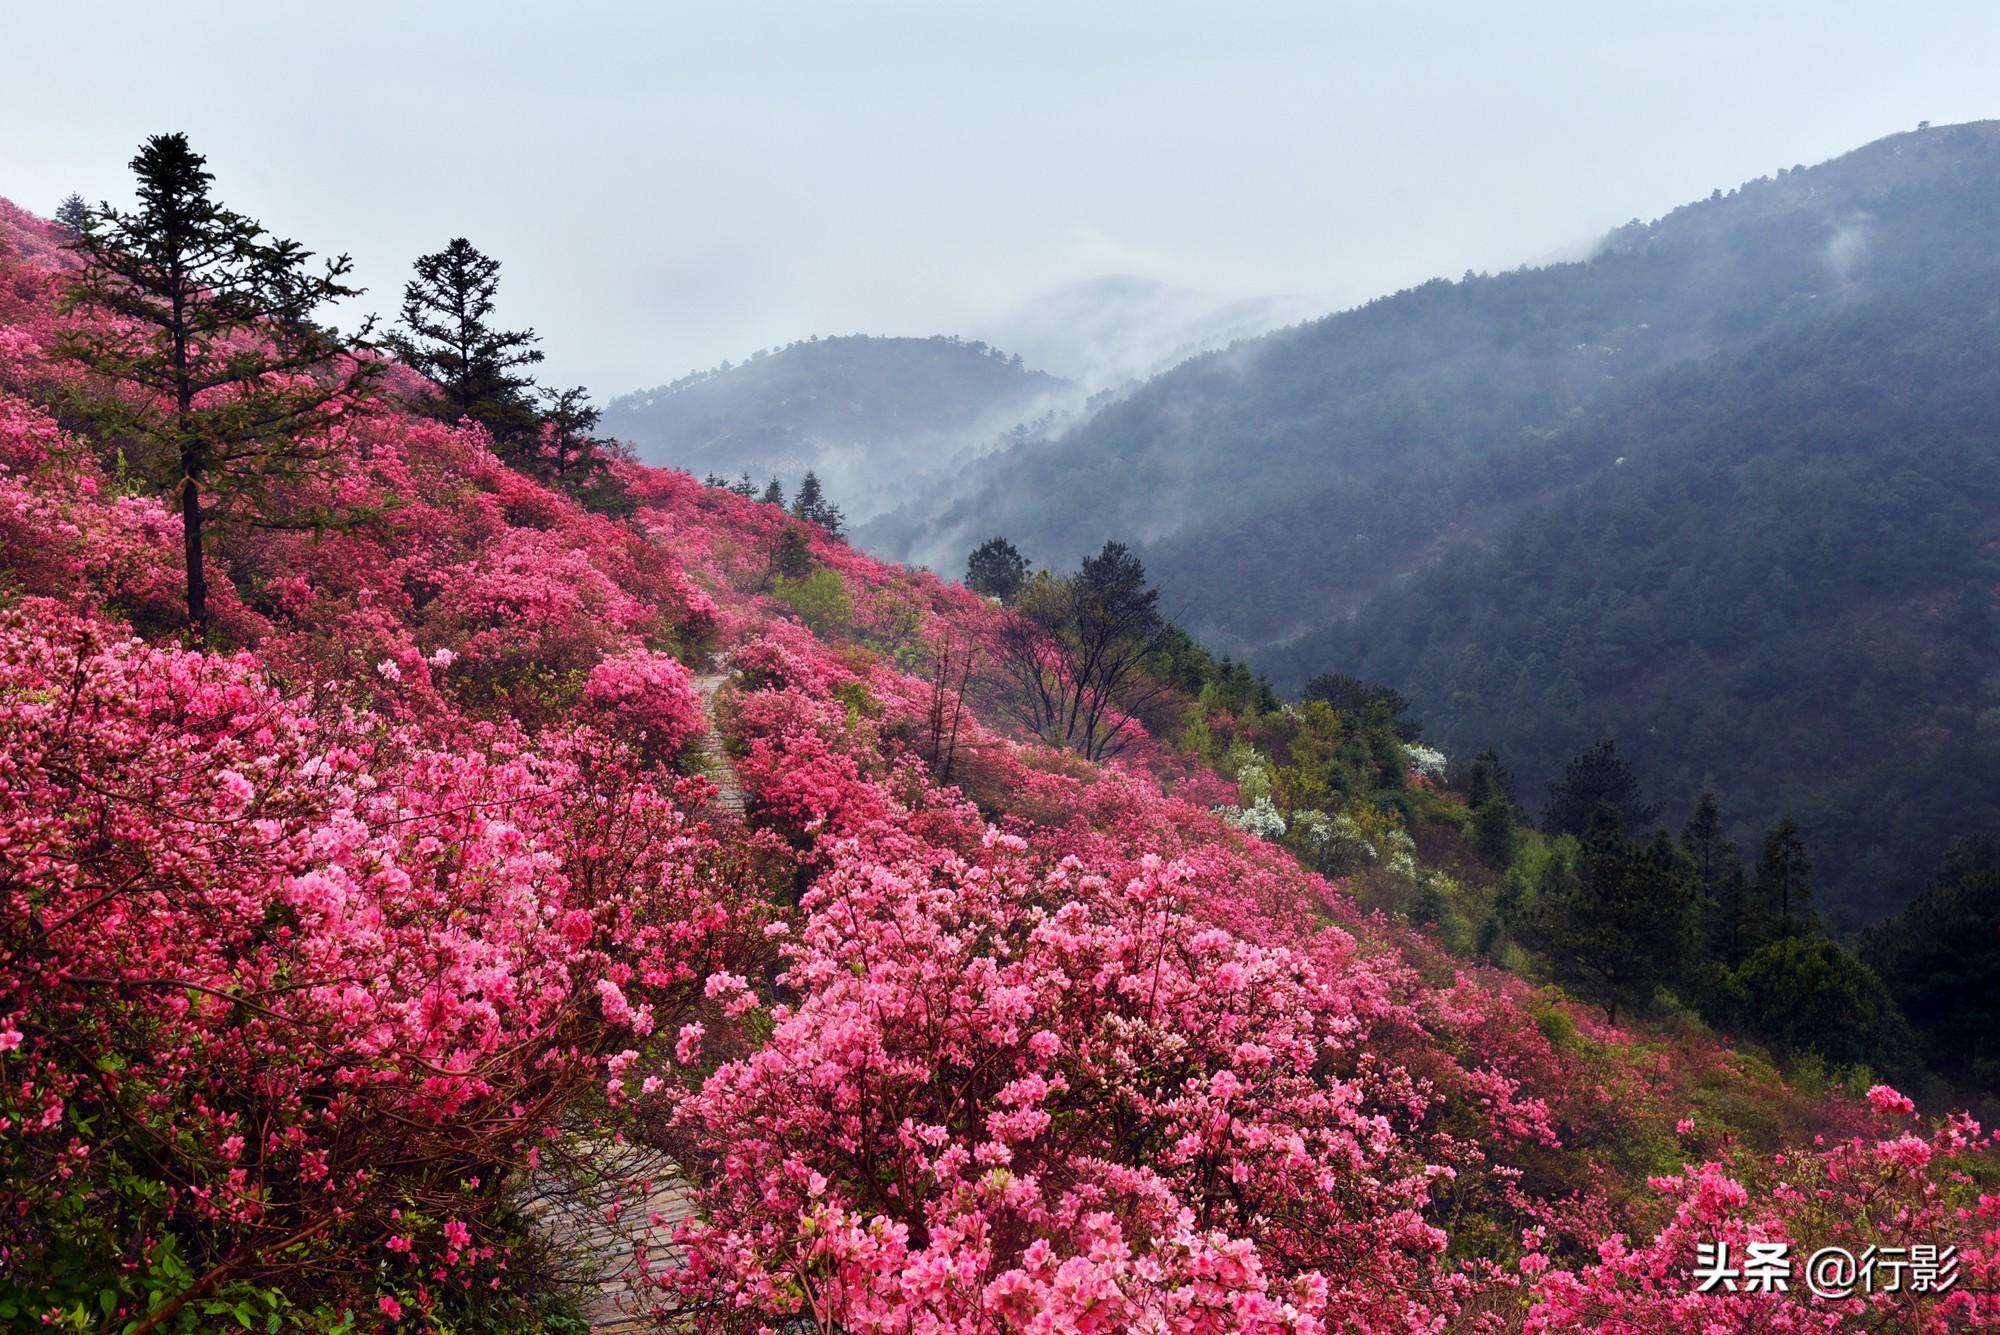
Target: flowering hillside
(334, 945)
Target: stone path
(577, 1214)
(721, 770)
(607, 1249)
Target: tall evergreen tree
(1784, 882)
(996, 569)
(74, 213)
(1619, 923)
(1495, 830)
(571, 454)
(812, 506)
(1718, 875)
(1708, 845)
(774, 493)
(1597, 781)
(445, 334)
(230, 381)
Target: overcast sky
(668, 185)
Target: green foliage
(791, 556)
(1349, 695)
(1940, 959)
(1596, 786)
(1080, 652)
(1810, 995)
(1616, 923)
(568, 455)
(225, 386)
(820, 600)
(74, 213)
(1783, 592)
(997, 569)
(813, 507)
(1782, 893)
(1495, 831)
(446, 335)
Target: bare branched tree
(1075, 652)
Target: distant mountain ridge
(1370, 439)
(870, 415)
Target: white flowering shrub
(1426, 760)
(1399, 853)
(1334, 843)
(1259, 818)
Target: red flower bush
(647, 698)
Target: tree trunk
(197, 582)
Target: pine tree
(1619, 923)
(445, 335)
(813, 507)
(1598, 780)
(572, 456)
(774, 493)
(1718, 876)
(743, 486)
(1478, 786)
(74, 213)
(997, 569)
(1705, 841)
(791, 557)
(1495, 831)
(212, 326)
(1784, 882)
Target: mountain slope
(1281, 483)
(871, 415)
(333, 934)
(1785, 589)
(1569, 502)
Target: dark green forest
(1784, 590)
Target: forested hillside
(1289, 479)
(1715, 492)
(1781, 584)
(871, 416)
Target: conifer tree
(1718, 874)
(1619, 923)
(1495, 830)
(207, 324)
(572, 456)
(1707, 845)
(1598, 780)
(1784, 882)
(445, 334)
(813, 507)
(74, 213)
(997, 569)
(774, 493)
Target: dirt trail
(607, 1248)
